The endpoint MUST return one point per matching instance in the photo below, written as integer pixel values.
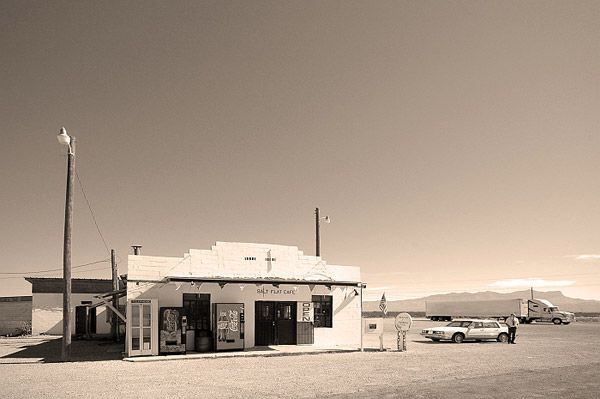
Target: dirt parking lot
(547, 362)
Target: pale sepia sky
(454, 144)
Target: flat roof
(53, 285)
(15, 299)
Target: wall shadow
(28, 350)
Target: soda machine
(229, 326)
(172, 330)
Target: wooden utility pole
(115, 299)
(317, 233)
(66, 340)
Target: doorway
(275, 323)
(85, 320)
(142, 327)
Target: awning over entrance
(229, 280)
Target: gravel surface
(548, 361)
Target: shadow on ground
(48, 350)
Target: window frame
(323, 311)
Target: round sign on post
(403, 322)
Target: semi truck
(527, 310)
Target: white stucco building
(240, 295)
(47, 306)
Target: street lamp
(318, 219)
(65, 139)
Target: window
(249, 257)
(269, 259)
(491, 324)
(323, 305)
(196, 307)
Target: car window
(477, 325)
(490, 324)
(459, 324)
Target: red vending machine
(229, 326)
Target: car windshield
(459, 324)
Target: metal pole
(362, 324)
(317, 232)
(66, 340)
(115, 298)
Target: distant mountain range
(556, 297)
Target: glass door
(141, 323)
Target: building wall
(229, 260)
(253, 261)
(15, 315)
(346, 330)
(47, 313)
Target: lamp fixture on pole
(318, 219)
(65, 139)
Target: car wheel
(556, 321)
(503, 337)
(458, 338)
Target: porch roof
(272, 281)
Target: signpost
(402, 322)
(383, 307)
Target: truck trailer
(527, 310)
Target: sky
(454, 145)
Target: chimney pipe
(137, 249)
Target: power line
(92, 212)
(55, 270)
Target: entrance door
(142, 327)
(275, 323)
(85, 320)
(80, 320)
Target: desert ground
(547, 362)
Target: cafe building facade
(237, 296)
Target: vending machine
(172, 330)
(229, 326)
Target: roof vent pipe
(137, 249)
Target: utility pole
(66, 341)
(115, 298)
(317, 233)
(531, 292)
(318, 219)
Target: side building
(240, 295)
(47, 306)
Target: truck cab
(543, 310)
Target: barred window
(323, 305)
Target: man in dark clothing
(512, 322)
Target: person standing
(512, 322)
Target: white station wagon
(468, 329)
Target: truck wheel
(503, 337)
(433, 318)
(458, 338)
(556, 321)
